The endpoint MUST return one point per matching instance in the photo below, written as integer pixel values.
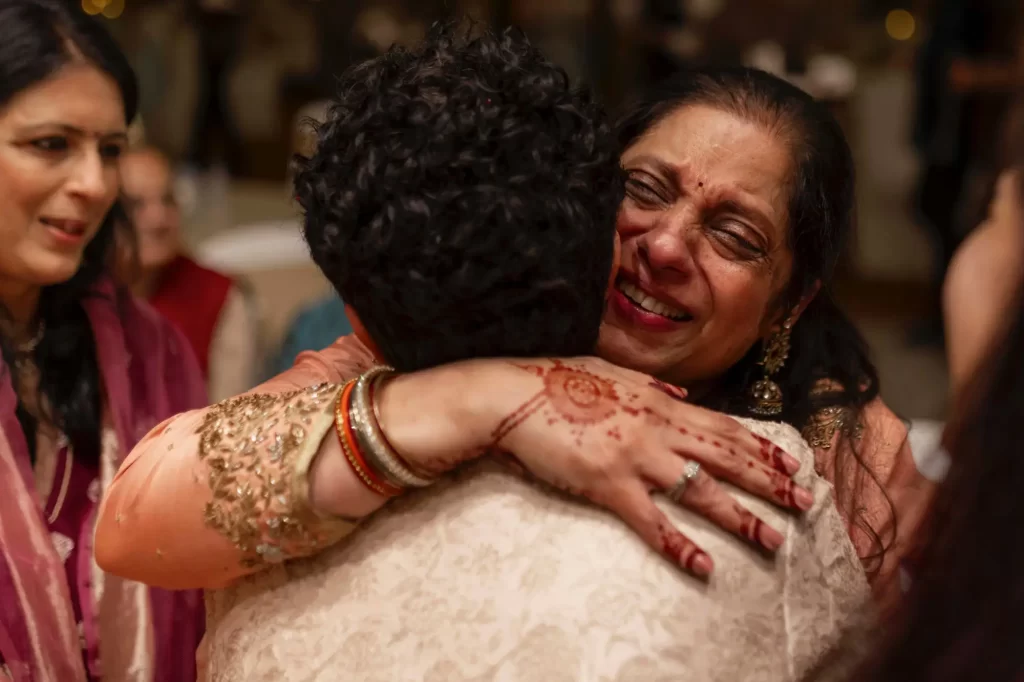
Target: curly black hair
(462, 199)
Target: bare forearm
(435, 419)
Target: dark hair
(37, 38)
(829, 364)
(961, 620)
(462, 198)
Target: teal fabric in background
(314, 328)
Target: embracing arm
(214, 494)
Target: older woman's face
(59, 143)
(705, 253)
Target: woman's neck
(20, 302)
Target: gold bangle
(376, 446)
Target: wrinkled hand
(614, 436)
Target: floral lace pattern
(489, 577)
(256, 450)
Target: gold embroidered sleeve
(256, 451)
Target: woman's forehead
(719, 154)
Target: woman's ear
(792, 315)
(805, 300)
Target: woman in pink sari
(85, 369)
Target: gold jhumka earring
(766, 393)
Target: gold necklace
(29, 347)
(23, 351)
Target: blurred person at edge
(216, 313)
(961, 620)
(86, 370)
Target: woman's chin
(52, 269)
(618, 346)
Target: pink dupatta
(149, 374)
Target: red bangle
(366, 474)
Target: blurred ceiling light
(900, 24)
(378, 27)
(626, 11)
(683, 43)
(704, 10)
(111, 9)
(767, 55)
(832, 76)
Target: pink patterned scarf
(149, 374)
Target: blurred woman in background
(85, 369)
(216, 313)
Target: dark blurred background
(920, 87)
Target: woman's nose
(668, 246)
(90, 178)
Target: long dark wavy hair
(829, 364)
(37, 38)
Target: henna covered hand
(594, 430)
(615, 436)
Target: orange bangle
(353, 454)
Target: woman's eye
(642, 192)
(51, 144)
(733, 238)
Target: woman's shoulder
(873, 422)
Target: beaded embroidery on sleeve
(257, 450)
(824, 424)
